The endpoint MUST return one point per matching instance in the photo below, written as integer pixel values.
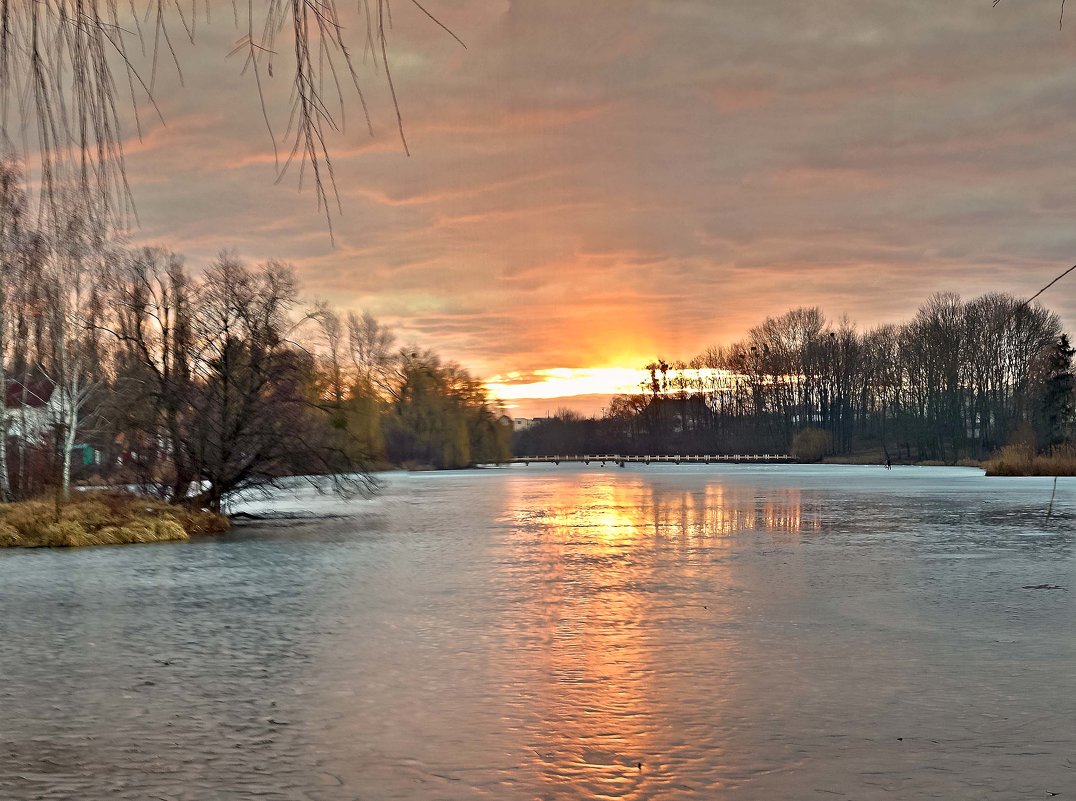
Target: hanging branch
(58, 63)
(1061, 18)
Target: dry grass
(811, 444)
(104, 519)
(871, 456)
(1021, 460)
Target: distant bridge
(617, 459)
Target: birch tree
(75, 309)
(12, 210)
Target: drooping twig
(58, 90)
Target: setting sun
(584, 389)
(565, 382)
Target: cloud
(603, 182)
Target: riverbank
(103, 519)
(1011, 461)
(878, 457)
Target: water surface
(755, 632)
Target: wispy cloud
(599, 183)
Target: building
(31, 413)
(30, 409)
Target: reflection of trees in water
(720, 510)
(624, 509)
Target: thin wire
(1032, 298)
(1060, 21)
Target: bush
(1021, 460)
(811, 444)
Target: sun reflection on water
(605, 549)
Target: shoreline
(104, 519)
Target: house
(31, 408)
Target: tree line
(959, 380)
(123, 364)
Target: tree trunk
(69, 428)
(5, 485)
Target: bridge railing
(621, 459)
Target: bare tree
(370, 346)
(247, 416)
(332, 333)
(152, 321)
(12, 210)
(74, 310)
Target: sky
(593, 185)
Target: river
(571, 632)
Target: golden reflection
(602, 508)
(633, 574)
(619, 508)
(720, 511)
(590, 741)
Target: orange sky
(594, 185)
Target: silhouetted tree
(1056, 401)
(959, 379)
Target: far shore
(876, 458)
(1011, 461)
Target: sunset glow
(629, 400)
(575, 205)
(568, 386)
(567, 382)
